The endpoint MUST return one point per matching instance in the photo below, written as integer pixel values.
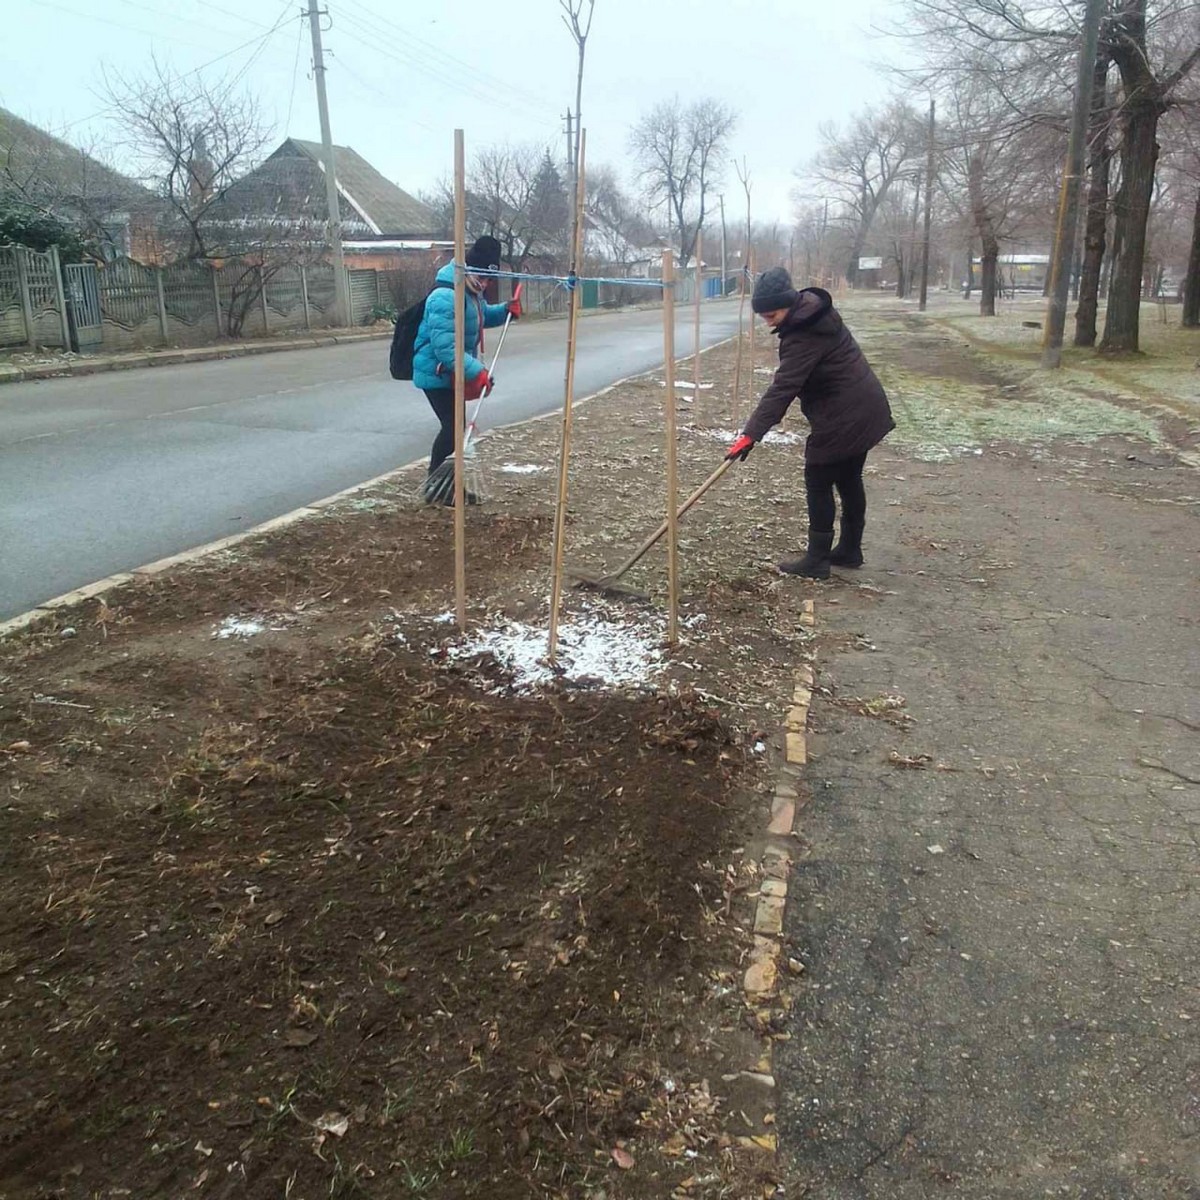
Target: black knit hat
(485, 254)
(773, 291)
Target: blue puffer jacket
(435, 336)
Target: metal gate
(364, 295)
(83, 305)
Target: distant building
(1021, 272)
(114, 211)
(383, 226)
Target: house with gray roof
(380, 221)
(36, 167)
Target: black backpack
(404, 339)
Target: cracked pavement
(1001, 997)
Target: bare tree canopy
(859, 165)
(1019, 55)
(681, 150)
(191, 141)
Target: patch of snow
(444, 618)
(240, 627)
(591, 648)
(522, 469)
(687, 385)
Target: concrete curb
(93, 590)
(168, 358)
(762, 978)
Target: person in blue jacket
(433, 353)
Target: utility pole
(570, 158)
(341, 283)
(824, 264)
(924, 298)
(1068, 207)
(723, 258)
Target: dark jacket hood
(811, 307)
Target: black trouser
(847, 477)
(441, 400)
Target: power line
(366, 36)
(287, 125)
(476, 74)
(254, 41)
(262, 45)
(370, 91)
(87, 16)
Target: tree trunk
(990, 245)
(1191, 285)
(1139, 153)
(1095, 224)
(987, 279)
(970, 279)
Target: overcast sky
(403, 76)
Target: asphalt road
(104, 473)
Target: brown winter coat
(819, 361)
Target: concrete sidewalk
(999, 903)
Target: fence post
(162, 303)
(216, 299)
(262, 298)
(60, 293)
(304, 296)
(378, 293)
(26, 303)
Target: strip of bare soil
(311, 909)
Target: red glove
(480, 386)
(514, 308)
(740, 449)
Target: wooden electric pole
(1068, 206)
(924, 298)
(340, 282)
(724, 260)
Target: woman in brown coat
(846, 407)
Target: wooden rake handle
(657, 535)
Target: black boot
(848, 551)
(815, 564)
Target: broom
(438, 487)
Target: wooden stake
(668, 274)
(564, 454)
(750, 372)
(460, 381)
(699, 284)
(737, 366)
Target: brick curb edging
(169, 358)
(762, 978)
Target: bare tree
(1095, 228)
(1020, 51)
(579, 28)
(681, 151)
(1135, 39)
(615, 223)
(858, 166)
(191, 140)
